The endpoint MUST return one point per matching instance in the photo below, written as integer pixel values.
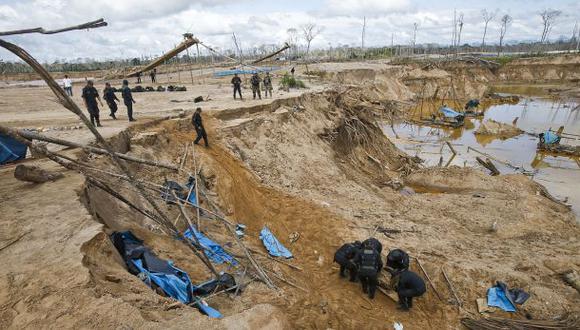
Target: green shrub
(289, 81)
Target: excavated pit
(319, 166)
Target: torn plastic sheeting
(274, 247)
(213, 250)
(496, 297)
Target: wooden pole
(94, 150)
(195, 183)
(428, 279)
(459, 303)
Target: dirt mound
(495, 128)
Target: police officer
(237, 82)
(409, 285)
(255, 81)
(369, 265)
(267, 85)
(153, 75)
(346, 257)
(90, 96)
(110, 98)
(397, 261)
(128, 99)
(199, 129)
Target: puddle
(560, 174)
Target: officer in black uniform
(237, 82)
(369, 266)
(199, 129)
(410, 285)
(111, 99)
(128, 99)
(346, 257)
(397, 261)
(90, 96)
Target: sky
(150, 27)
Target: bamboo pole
(90, 25)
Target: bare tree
(364, 31)
(505, 22)
(549, 17)
(415, 27)
(293, 40)
(309, 32)
(487, 17)
(460, 24)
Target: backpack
(368, 264)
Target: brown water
(560, 174)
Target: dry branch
(90, 25)
(185, 44)
(428, 278)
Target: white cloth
(67, 82)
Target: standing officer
(255, 81)
(110, 98)
(199, 129)
(153, 74)
(237, 82)
(369, 265)
(268, 85)
(90, 96)
(128, 99)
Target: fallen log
(489, 165)
(35, 136)
(34, 174)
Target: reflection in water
(559, 173)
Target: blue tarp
(551, 138)
(213, 250)
(153, 270)
(496, 297)
(449, 113)
(246, 71)
(274, 247)
(11, 150)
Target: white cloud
(365, 7)
(150, 27)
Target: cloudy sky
(148, 27)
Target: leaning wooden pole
(69, 104)
(185, 44)
(99, 151)
(286, 46)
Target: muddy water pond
(560, 174)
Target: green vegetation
(502, 60)
(289, 81)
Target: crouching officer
(369, 265)
(346, 257)
(397, 261)
(409, 285)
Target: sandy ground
(278, 163)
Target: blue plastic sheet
(449, 113)
(274, 247)
(247, 71)
(11, 150)
(496, 297)
(551, 137)
(177, 287)
(213, 250)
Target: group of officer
(363, 260)
(90, 96)
(255, 82)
